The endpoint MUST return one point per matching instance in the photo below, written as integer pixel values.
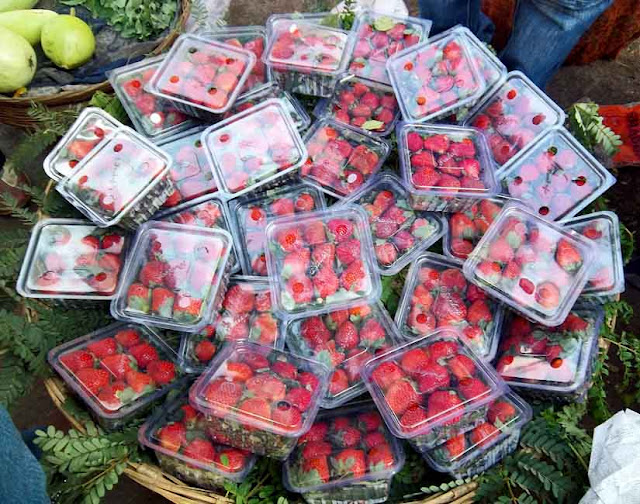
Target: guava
(17, 61)
(68, 41)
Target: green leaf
(372, 125)
(384, 23)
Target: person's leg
(448, 13)
(545, 31)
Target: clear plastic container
(341, 159)
(246, 314)
(252, 212)
(513, 116)
(399, 232)
(259, 147)
(537, 268)
(259, 399)
(433, 79)
(190, 171)
(436, 294)
(208, 212)
(432, 388)
(368, 106)
(296, 111)
(348, 456)
(378, 36)
(123, 181)
(304, 56)
(89, 129)
(476, 450)
(202, 77)
(445, 168)
(321, 261)
(465, 228)
(72, 259)
(175, 278)
(556, 177)
(177, 434)
(117, 371)
(603, 228)
(150, 115)
(343, 340)
(551, 363)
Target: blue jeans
(544, 31)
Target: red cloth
(625, 121)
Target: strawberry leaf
(372, 125)
(384, 23)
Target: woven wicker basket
(174, 490)
(14, 111)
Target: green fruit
(17, 61)
(11, 5)
(27, 23)
(68, 41)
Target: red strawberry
(424, 177)
(144, 353)
(414, 362)
(455, 446)
(205, 350)
(314, 331)
(381, 458)
(442, 350)
(290, 239)
(483, 434)
(372, 334)
(479, 313)
(474, 293)
(387, 373)
(374, 439)
(548, 295)
(239, 298)
(139, 382)
(461, 226)
(400, 396)
(501, 411)
(453, 279)
(103, 347)
(161, 372)
(461, 366)
(117, 365)
(299, 397)
(285, 369)
(223, 393)
(413, 418)
(326, 282)
(354, 278)
(287, 416)
(323, 254)
(317, 432)
(348, 251)
(437, 143)
(316, 470)
(152, 273)
(342, 229)
(300, 288)
(347, 335)
(231, 459)
(77, 360)
(266, 386)
(370, 421)
(173, 436)
(282, 206)
(568, 257)
(349, 462)
(444, 402)
(238, 371)
(489, 271)
(127, 337)
(92, 379)
(162, 302)
(433, 377)
(347, 437)
(304, 203)
(314, 449)
(200, 450)
(110, 395)
(500, 250)
(449, 308)
(472, 388)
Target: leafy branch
(588, 127)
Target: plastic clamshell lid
(341, 158)
(458, 155)
(153, 117)
(603, 228)
(374, 331)
(72, 259)
(115, 176)
(506, 415)
(294, 241)
(556, 177)
(395, 379)
(490, 68)
(267, 383)
(252, 212)
(88, 130)
(254, 147)
(378, 36)
(514, 116)
(173, 276)
(202, 73)
(124, 391)
(436, 294)
(552, 269)
(362, 103)
(361, 420)
(305, 46)
(400, 233)
(555, 360)
(150, 435)
(433, 78)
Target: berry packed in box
(321, 261)
(474, 451)
(379, 36)
(89, 129)
(341, 158)
(252, 212)
(152, 116)
(551, 363)
(303, 55)
(259, 399)
(343, 340)
(537, 268)
(175, 278)
(202, 77)
(72, 259)
(556, 177)
(246, 314)
(361, 103)
(432, 388)
(257, 148)
(124, 181)
(434, 79)
(436, 294)
(399, 232)
(178, 435)
(117, 371)
(347, 456)
(445, 168)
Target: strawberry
(347, 336)
(444, 402)
(424, 177)
(489, 271)
(449, 308)
(238, 371)
(373, 439)
(287, 416)
(205, 350)
(239, 298)
(316, 470)
(117, 365)
(400, 396)
(348, 251)
(282, 206)
(461, 226)
(109, 396)
(433, 377)
(453, 279)
(437, 143)
(461, 366)
(323, 254)
(92, 379)
(222, 392)
(479, 313)
(266, 386)
(290, 239)
(501, 411)
(162, 302)
(172, 436)
(568, 257)
(139, 382)
(300, 288)
(317, 432)
(200, 450)
(372, 334)
(547, 295)
(353, 278)
(299, 397)
(346, 437)
(442, 350)
(380, 458)
(341, 229)
(314, 331)
(349, 462)
(472, 388)
(455, 446)
(325, 282)
(74, 361)
(483, 434)
(161, 372)
(127, 337)
(143, 353)
(286, 370)
(474, 293)
(314, 449)
(231, 459)
(152, 273)
(414, 362)
(369, 421)
(387, 373)
(500, 251)
(413, 418)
